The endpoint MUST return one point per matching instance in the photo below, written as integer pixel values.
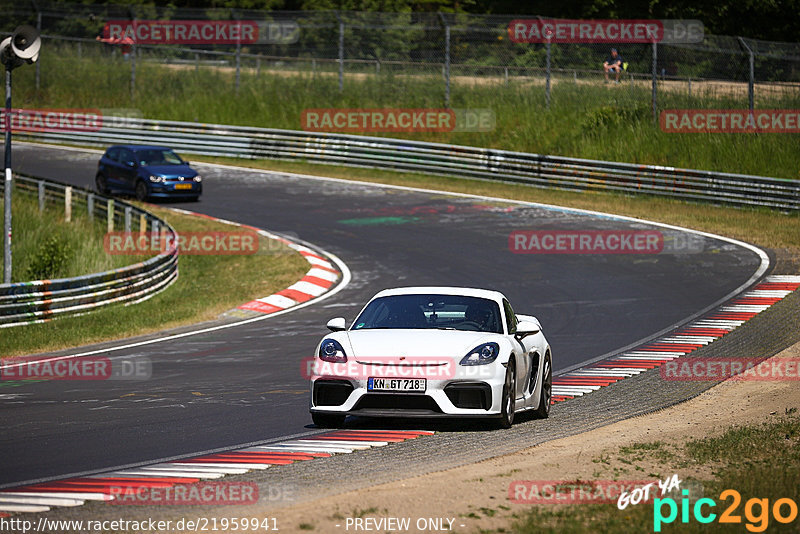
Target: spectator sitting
(613, 63)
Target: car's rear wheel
(327, 420)
(546, 394)
(100, 184)
(509, 397)
(141, 191)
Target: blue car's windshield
(450, 312)
(158, 157)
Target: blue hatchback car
(147, 172)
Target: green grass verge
(584, 120)
(44, 246)
(758, 461)
(207, 286)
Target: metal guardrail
(436, 158)
(41, 300)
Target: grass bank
(207, 285)
(760, 462)
(597, 121)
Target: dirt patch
(476, 496)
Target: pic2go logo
(756, 511)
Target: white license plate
(396, 384)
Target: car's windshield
(158, 157)
(450, 312)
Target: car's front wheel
(546, 395)
(100, 184)
(327, 420)
(509, 397)
(141, 191)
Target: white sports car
(432, 351)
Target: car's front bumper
(471, 391)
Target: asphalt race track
(244, 384)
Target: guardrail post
(142, 223)
(90, 206)
(68, 204)
(505, 75)
(154, 235)
(110, 214)
(41, 196)
(258, 67)
(127, 219)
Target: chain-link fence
(449, 50)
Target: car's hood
(387, 345)
(171, 170)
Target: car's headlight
(198, 178)
(154, 178)
(331, 350)
(482, 354)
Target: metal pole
(133, 65)
(7, 187)
(341, 55)
(39, 29)
(547, 80)
(655, 81)
(447, 66)
(751, 80)
(238, 52)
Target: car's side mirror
(130, 164)
(336, 324)
(527, 328)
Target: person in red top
(125, 44)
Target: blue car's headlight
(198, 178)
(154, 178)
(482, 354)
(331, 350)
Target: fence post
(341, 52)
(446, 71)
(133, 64)
(505, 74)
(197, 62)
(68, 204)
(39, 29)
(154, 234)
(547, 80)
(110, 214)
(127, 219)
(751, 80)
(238, 50)
(655, 81)
(90, 206)
(258, 66)
(690, 88)
(142, 224)
(41, 195)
